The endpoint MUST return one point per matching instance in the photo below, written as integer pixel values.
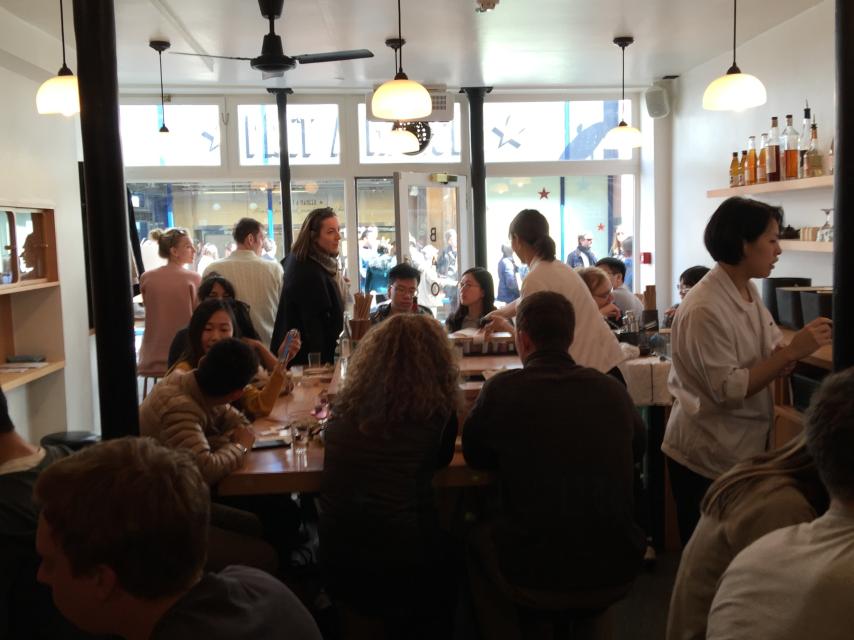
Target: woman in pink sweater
(169, 297)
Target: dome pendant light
(623, 136)
(59, 93)
(734, 91)
(403, 140)
(160, 46)
(401, 98)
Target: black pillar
(843, 198)
(285, 166)
(95, 35)
(478, 170)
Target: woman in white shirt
(594, 345)
(726, 352)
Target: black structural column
(95, 35)
(843, 198)
(285, 166)
(478, 170)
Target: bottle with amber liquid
(742, 168)
(772, 153)
(812, 163)
(750, 167)
(734, 170)
(789, 143)
(761, 175)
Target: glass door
(433, 234)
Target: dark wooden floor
(643, 614)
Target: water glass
(300, 435)
(314, 359)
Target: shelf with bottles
(820, 182)
(806, 245)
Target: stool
(152, 376)
(74, 440)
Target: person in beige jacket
(191, 410)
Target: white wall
(39, 159)
(795, 60)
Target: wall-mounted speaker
(657, 102)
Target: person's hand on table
(496, 324)
(816, 334)
(243, 436)
(670, 312)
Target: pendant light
(623, 136)
(401, 98)
(59, 94)
(160, 46)
(402, 139)
(734, 91)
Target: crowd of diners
(131, 538)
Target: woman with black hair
(594, 345)
(477, 298)
(726, 352)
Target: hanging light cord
(734, 14)
(623, 47)
(162, 108)
(62, 31)
(400, 37)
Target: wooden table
(280, 471)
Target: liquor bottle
(804, 142)
(734, 170)
(830, 159)
(789, 141)
(812, 158)
(772, 153)
(742, 168)
(761, 169)
(750, 174)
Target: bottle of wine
(789, 141)
(772, 153)
(761, 173)
(804, 142)
(812, 158)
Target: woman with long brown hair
(313, 289)
(772, 490)
(394, 424)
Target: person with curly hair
(394, 424)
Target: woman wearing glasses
(600, 288)
(477, 298)
(690, 277)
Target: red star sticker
(544, 195)
(600, 227)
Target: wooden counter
(822, 358)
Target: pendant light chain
(400, 37)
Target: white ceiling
(522, 44)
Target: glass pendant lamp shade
(59, 94)
(401, 99)
(622, 137)
(403, 140)
(734, 91)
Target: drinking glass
(314, 359)
(300, 434)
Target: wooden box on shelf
(30, 305)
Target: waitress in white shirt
(594, 345)
(726, 352)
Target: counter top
(823, 357)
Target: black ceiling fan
(273, 62)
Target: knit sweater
(178, 414)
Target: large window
(602, 206)
(376, 147)
(209, 211)
(312, 134)
(552, 131)
(193, 139)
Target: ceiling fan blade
(333, 56)
(205, 55)
(266, 75)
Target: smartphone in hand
(293, 333)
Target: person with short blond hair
(123, 539)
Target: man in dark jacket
(561, 439)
